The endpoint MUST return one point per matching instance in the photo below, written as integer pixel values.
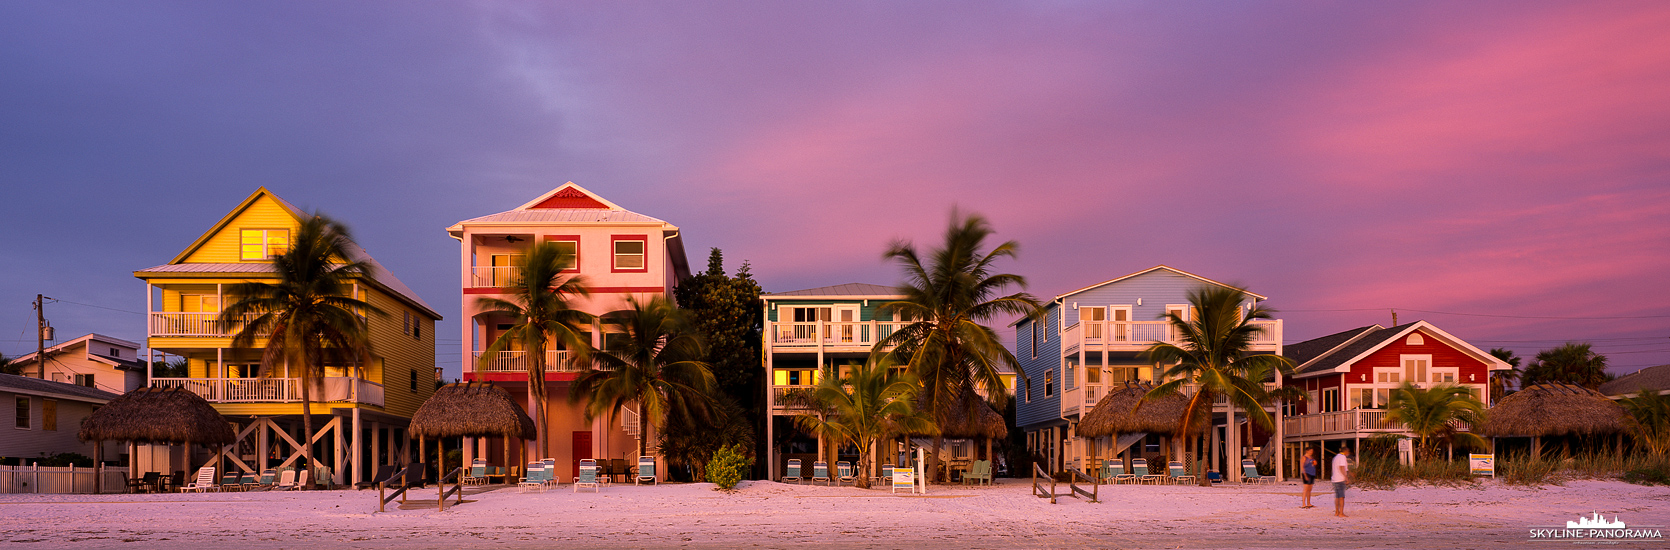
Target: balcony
(189, 324)
(853, 334)
(276, 390)
(1136, 335)
(517, 362)
(483, 276)
(790, 397)
(1354, 422)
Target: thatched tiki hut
(970, 417)
(1551, 410)
(470, 409)
(154, 415)
(1126, 412)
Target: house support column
(1232, 440)
(358, 459)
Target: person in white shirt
(1341, 472)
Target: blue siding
(1155, 288)
(1040, 409)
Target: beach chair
(978, 471)
(646, 470)
(1249, 473)
(231, 482)
(535, 478)
(172, 483)
(820, 472)
(844, 473)
(146, 483)
(618, 467)
(415, 476)
(1178, 474)
(205, 481)
(551, 477)
(792, 472)
(477, 473)
(385, 474)
(1139, 468)
(886, 476)
(265, 481)
(249, 482)
(1113, 471)
(588, 476)
(1214, 477)
(286, 480)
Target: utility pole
(40, 339)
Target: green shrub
(727, 466)
(1527, 471)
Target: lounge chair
(886, 475)
(205, 481)
(304, 481)
(551, 477)
(1249, 473)
(1214, 477)
(978, 471)
(646, 470)
(1114, 472)
(588, 476)
(172, 483)
(286, 480)
(820, 472)
(231, 482)
(535, 478)
(385, 473)
(1178, 474)
(844, 473)
(792, 472)
(477, 473)
(1139, 468)
(249, 482)
(268, 478)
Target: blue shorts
(1339, 489)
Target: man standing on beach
(1341, 470)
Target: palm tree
(9, 365)
(658, 364)
(1650, 412)
(947, 348)
(1211, 354)
(306, 315)
(873, 402)
(1429, 413)
(1499, 380)
(540, 314)
(1571, 363)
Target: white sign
(1482, 465)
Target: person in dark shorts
(1341, 470)
(1307, 475)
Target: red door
(582, 449)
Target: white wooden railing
(485, 276)
(168, 323)
(1143, 333)
(276, 390)
(832, 333)
(517, 361)
(1341, 422)
(780, 396)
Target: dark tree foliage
(1571, 363)
(9, 365)
(727, 310)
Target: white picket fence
(58, 479)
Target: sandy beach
(774, 515)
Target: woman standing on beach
(1307, 475)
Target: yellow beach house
(360, 414)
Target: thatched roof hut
(969, 417)
(1119, 412)
(155, 415)
(471, 410)
(1553, 410)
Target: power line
(100, 307)
(1483, 314)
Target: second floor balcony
(1138, 335)
(848, 334)
(1352, 422)
(277, 390)
(518, 362)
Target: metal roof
(1651, 378)
(375, 270)
(562, 215)
(848, 289)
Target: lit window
(1049, 383)
(629, 255)
(260, 244)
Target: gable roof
(848, 289)
(47, 388)
(1152, 269)
(1341, 350)
(1655, 379)
(375, 270)
(119, 363)
(567, 203)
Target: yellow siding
(401, 354)
(222, 247)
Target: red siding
(1443, 355)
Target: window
(23, 407)
(1028, 390)
(1070, 375)
(1387, 377)
(260, 244)
(1093, 374)
(84, 380)
(1330, 399)
(1415, 366)
(1091, 319)
(1362, 398)
(1034, 326)
(115, 352)
(1441, 375)
(1415, 340)
(199, 303)
(1049, 383)
(413, 325)
(629, 254)
(570, 248)
(414, 379)
(49, 415)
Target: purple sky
(1505, 163)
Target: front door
(582, 450)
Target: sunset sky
(1500, 169)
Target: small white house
(44, 417)
(94, 361)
